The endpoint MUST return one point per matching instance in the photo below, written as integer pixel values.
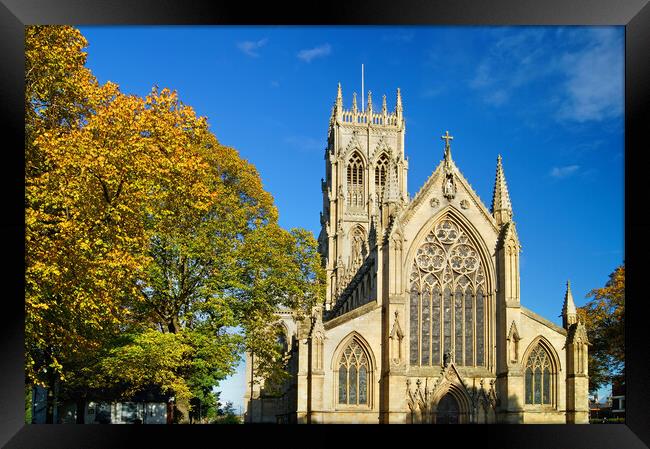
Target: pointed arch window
(353, 375)
(381, 174)
(355, 182)
(540, 377)
(447, 302)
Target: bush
(607, 421)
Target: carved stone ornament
(435, 202)
(464, 204)
(449, 187)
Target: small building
(599, 410)
(618, 399)
(142, 410)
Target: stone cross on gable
(447, 138)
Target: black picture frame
(15, 14)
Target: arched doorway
(448, 410)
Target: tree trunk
(81, 410)
(170, 413)
(173, 325)
(51, 384)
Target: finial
(383, 105)
(369, 101)
(399, 110)
(569, 312)
(354, 102)
(338, 104)
(447, 138)
(501, 205)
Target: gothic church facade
(422, 321)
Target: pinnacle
(501, 205)
(392, 190)
(569, 305)
(569, 312)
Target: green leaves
(150, 358)
(604, 317)
(146, 239)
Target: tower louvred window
(381, 173)
(355, 182)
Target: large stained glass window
(540, 377)
(480, 342)
(447, 299)
(469, 329)
(426, 325)
(415, 320)
(435, 326)
(353, 375)
(447, 322)
(458, 325)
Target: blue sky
(548, 99)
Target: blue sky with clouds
(548, 99)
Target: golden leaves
(126, 195)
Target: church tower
(364, 155)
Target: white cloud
(595, 79)
(563, 172)
(496, 98)
(317, 52)
(514, 60)
(250, 47)
(582, 69)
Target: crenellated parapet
(363, 118)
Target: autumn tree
(84, 244)
(604, 317)
(147, 240)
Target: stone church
(423, 320)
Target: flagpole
(363, 103)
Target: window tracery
(353, 375)
(381, 172)
(539, 377)
(447, 300)
(355, 171)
